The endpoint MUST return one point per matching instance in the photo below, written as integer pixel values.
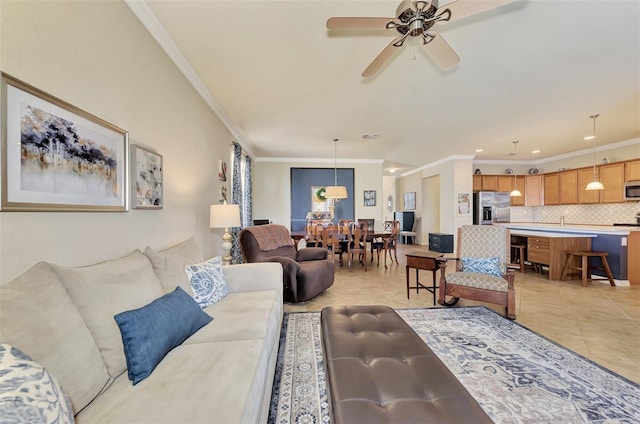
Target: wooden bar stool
(517, 255)
(585, 265)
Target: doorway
(430, 208)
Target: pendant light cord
(335, 161)
(595, 158)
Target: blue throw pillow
(150, 332)
(489, 266)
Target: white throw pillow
(28, 393)
(207, 281)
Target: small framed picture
(464, 203)
(222, 170)
(410, 201)
(146, 178)
(369, 197)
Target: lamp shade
(336, 192)
(594, 185)
(515, 193)
(224, 216)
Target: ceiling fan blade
(441, 52)
(383, 57)
(358, 23)
(463, 8)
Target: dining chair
(387, 243)
(331, 241)
(357, 244)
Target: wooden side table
(427, 261)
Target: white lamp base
(226, 247)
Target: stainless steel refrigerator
(491, 207)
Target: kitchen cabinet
(550, 251)
(568, 184)
(632, 170)
(585, 176)
(533, 190)
(551, 189)
(612, 177)
(505, 183)
(489, 183)
(519, 200)
(477, 183)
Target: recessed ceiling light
(478, 150)
(535, 151)
(370, 136)
(590, 137)
(392, 170)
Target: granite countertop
(537, 228)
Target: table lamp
(225, 216)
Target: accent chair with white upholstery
(481, 268)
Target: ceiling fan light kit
(416, 18)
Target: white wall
(455, 177)
(272, 188)
(99, 57)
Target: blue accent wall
(302, 179)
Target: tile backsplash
(603, 214)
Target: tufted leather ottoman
(380, 371)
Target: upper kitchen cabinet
(551, 188)
(477, 183)
(489, 183)
(612, 178)
(632, 170)
(568, 188)
(520, 184)
(533, 190)
(585, 176)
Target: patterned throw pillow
(28, 393)
(207, 281)
(489, 266)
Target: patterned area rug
(517, 376)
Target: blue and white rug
(517, 376)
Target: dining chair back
(331, 241)
(357, 244)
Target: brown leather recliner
(307, 272)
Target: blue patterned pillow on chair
(207, 281)
(489, 266)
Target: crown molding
(318, 160)
(438, 162)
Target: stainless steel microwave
(632, 190)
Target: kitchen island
(621, 243)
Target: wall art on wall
(57, 157)
(222, 170)
(410, 201)
(146, 178)
(319, 203)
(369, 197)
(222, 198)
(464, 203)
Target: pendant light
(335, 191)
(515, 192)
(595, 184)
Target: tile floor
(599, 322)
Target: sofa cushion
(169, 264)
(150, 332)
(39, 318)
(222, 382)
(28, 392)
(102, 290)
(207, 281)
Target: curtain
(241, 194)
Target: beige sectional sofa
(62, 317)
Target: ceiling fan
(416, 18)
